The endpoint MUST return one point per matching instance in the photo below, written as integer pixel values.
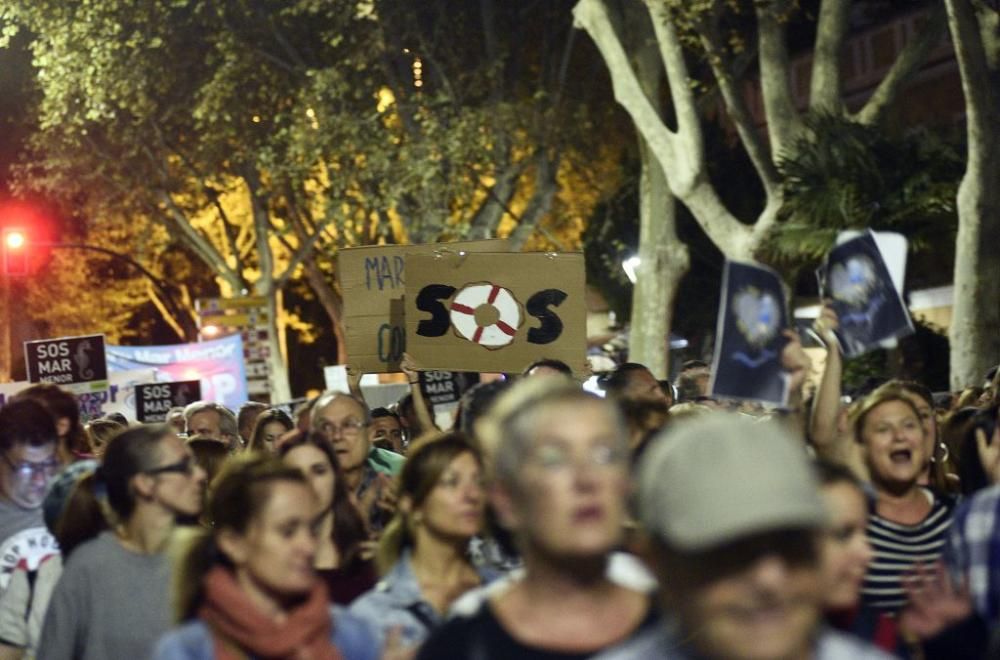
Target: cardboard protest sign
(441, 388)
(857, 282)
(373, 279)
(154, 400)
(495, 312)
(749, 340)
(74, 363)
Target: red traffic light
(15, 255)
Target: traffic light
(15, 252)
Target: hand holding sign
(868, 307)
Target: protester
(214, 421)
(907, 522)
(973, 551)
(26, 599)
(246, 587)
(845, 554)
(209, 455)
(28, 445)
(560, 474)
(175, 419)
(343, 420)
(270, 425)
(547, 367)
(475, 403)
(386, 431)
(99, 432)
(734, 515)
(422, 553)
(303, 414)
(692, 380)
(63, 407)
(342, 556)
(246, 419)
(642, 417)
(112, 600)
(632, 381)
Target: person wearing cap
(733, 515)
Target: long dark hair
(268, 416)
(61, 404)
(348, 526)
(129, 453)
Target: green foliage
(843, 175)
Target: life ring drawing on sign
(486, 314)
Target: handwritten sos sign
(495, 312)
(373, 279)
(76, 363)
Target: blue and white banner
(217, 363)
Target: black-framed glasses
(27, 470)
(184, 466)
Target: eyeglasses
(26, 470)
(184, 466)
(347, 429)
(555, 457)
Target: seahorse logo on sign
(486, 314)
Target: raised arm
(823, 429)
(420, 406)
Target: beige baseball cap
(717, 478)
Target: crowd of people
(549, 523)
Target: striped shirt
(897, 548)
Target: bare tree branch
(908, 62)
(783, 121)
(826, 89)
(739, 113)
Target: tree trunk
(332, 304)
(663, 257)
(280, 391)
(975, 326)
(664, 261)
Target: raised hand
(826, 325)
(934, 602)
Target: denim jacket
(396, 601)
(193, 641)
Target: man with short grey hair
(734, 515)
(212, 421)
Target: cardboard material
(373, 279)
(74, 363)
(495, 312)
(749, 340)
(864, 294)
